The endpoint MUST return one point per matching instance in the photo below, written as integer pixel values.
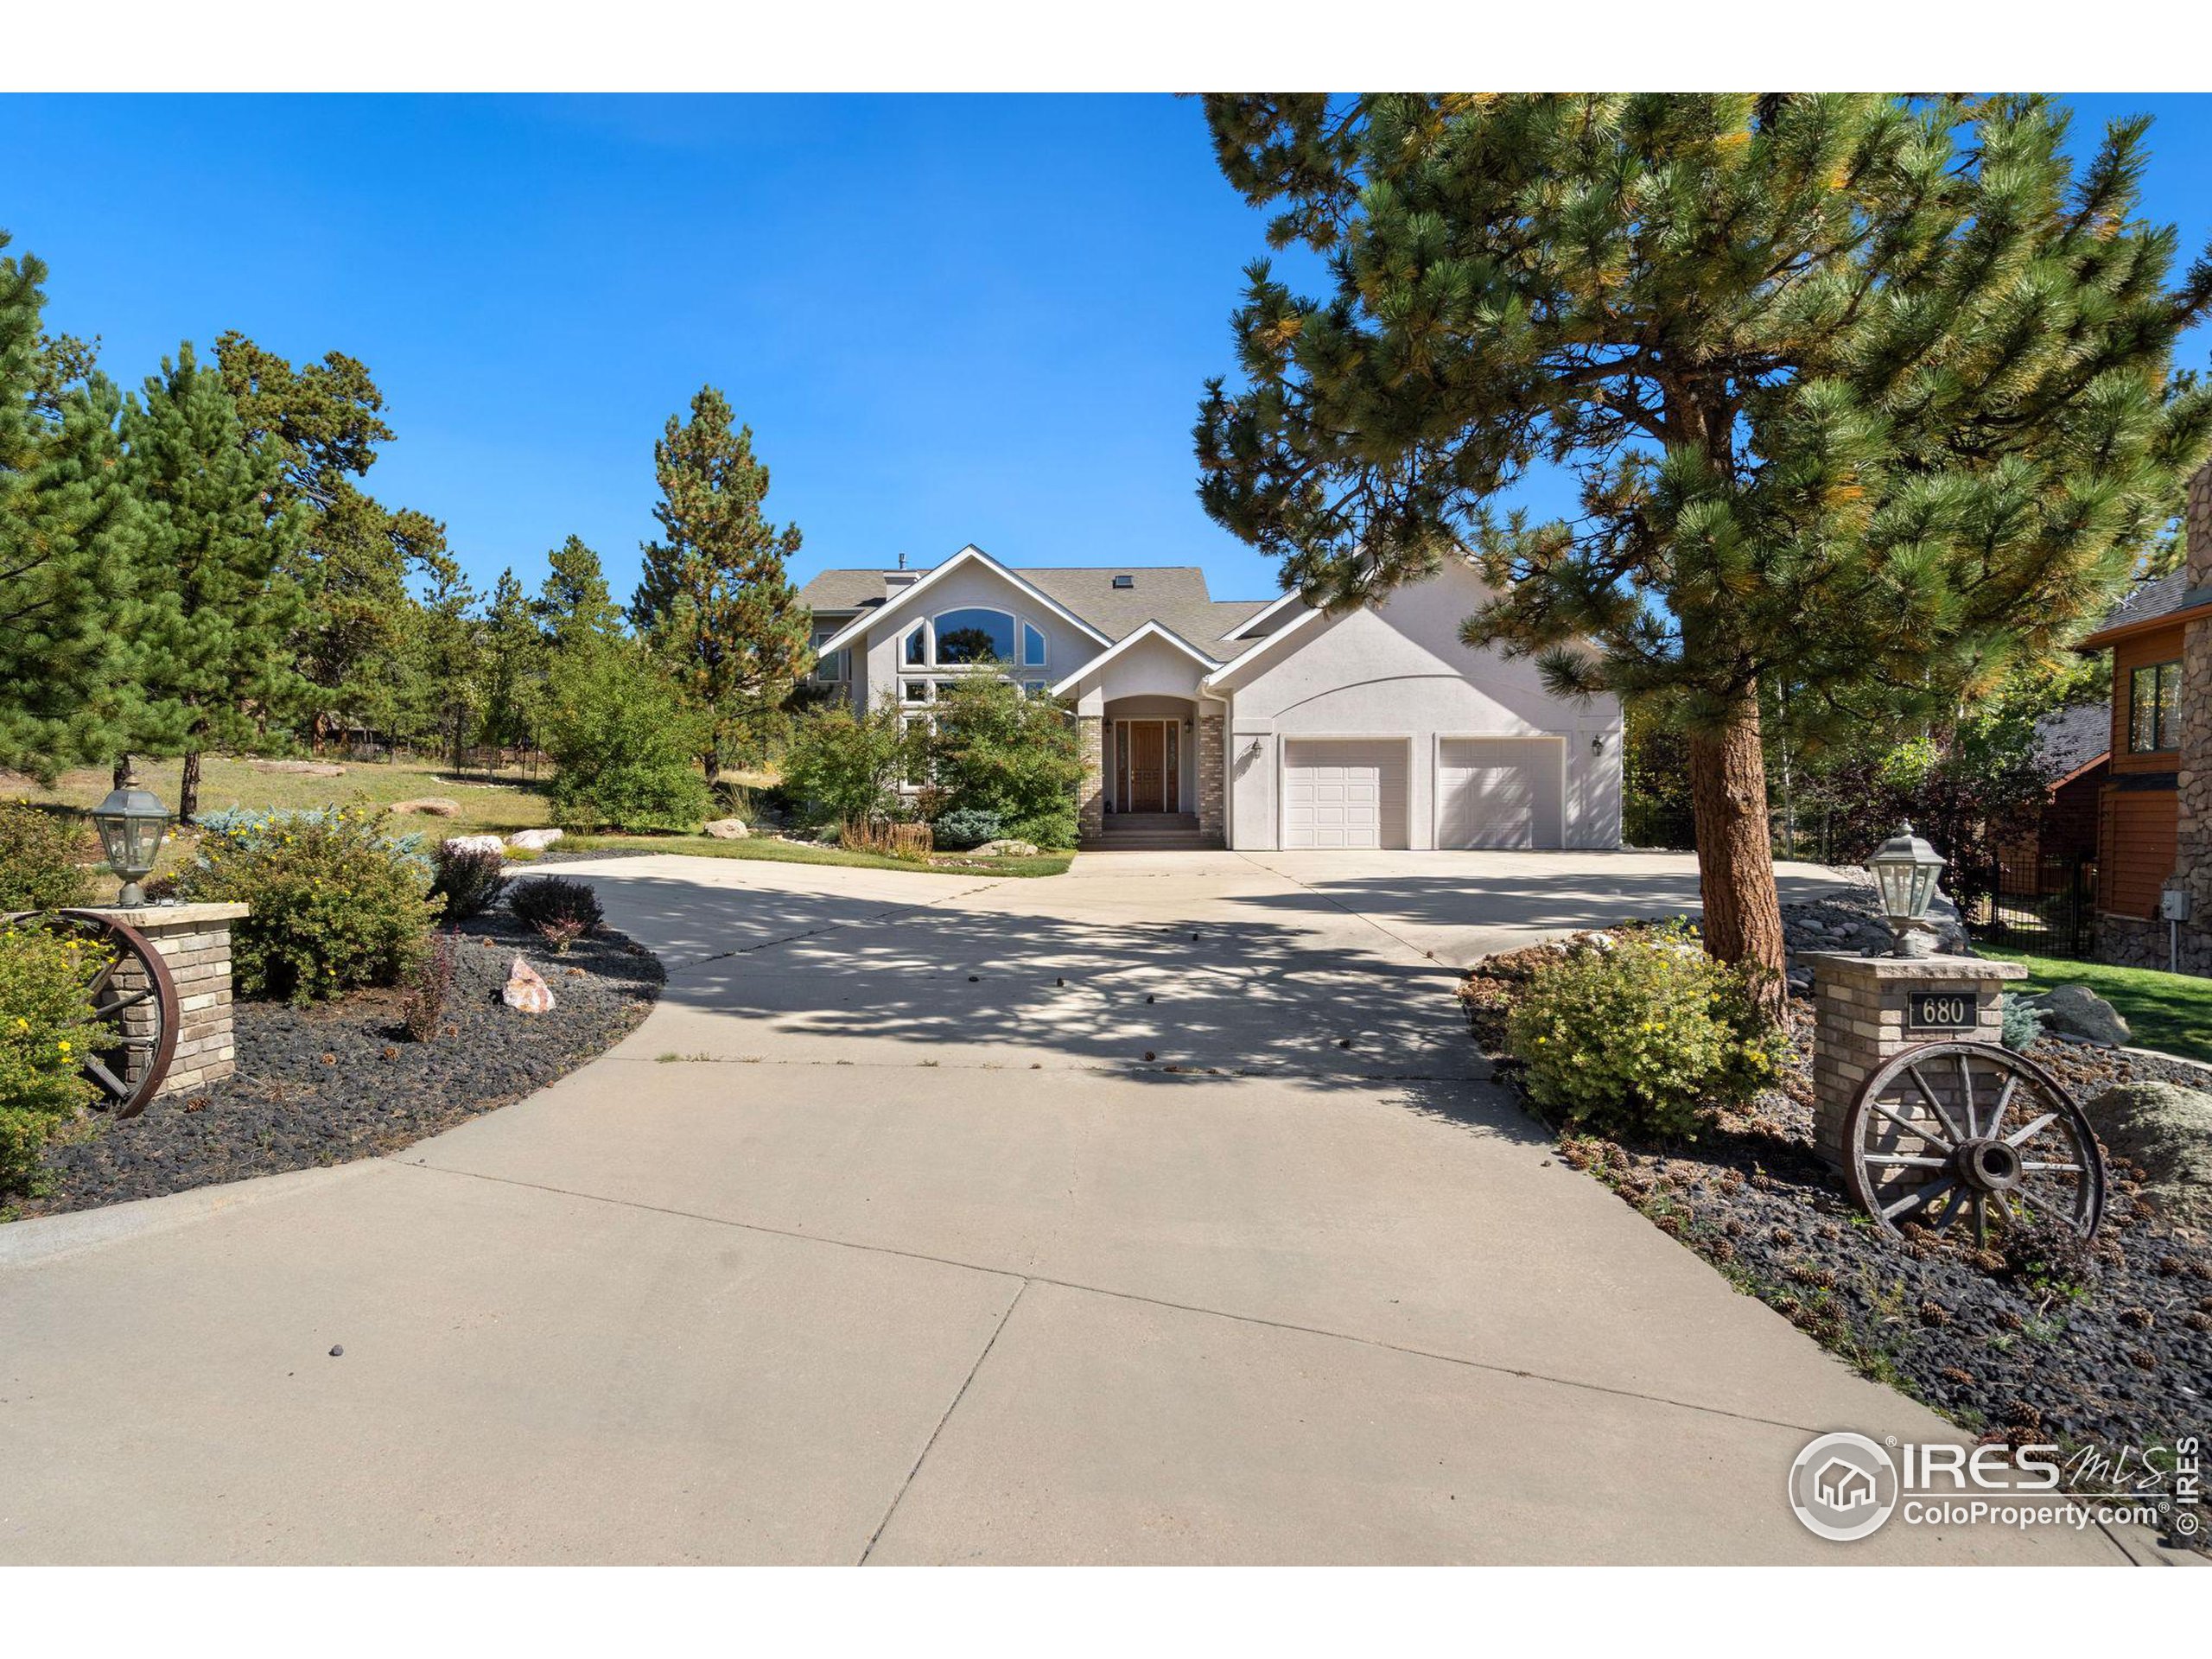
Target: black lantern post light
(1905, 868)
(131, 823)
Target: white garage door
(1497, 791)
(1344, 794)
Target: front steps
(1151, 832)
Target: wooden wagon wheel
(134, 994)
(1958, 1131)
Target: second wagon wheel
(1965, 1133)
(134, 994)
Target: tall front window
(974, 635)
(1032, 646)
(917, 649)
(2153, 699)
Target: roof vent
(1125, 581)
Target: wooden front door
(1147, 767)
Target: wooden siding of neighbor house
(2139, 837)
(2139, 817)
(2158, 645)
(2043, 862)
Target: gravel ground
(341, 1081)
(2123, 1359)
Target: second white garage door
(1348, 794)
(1497, 791)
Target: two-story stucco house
(1247, 723)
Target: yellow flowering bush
(1643, 1039)
(337, 902)
(45, 1031)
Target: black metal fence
(2046, 906)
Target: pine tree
(355, 641)
(1868, 393)
(205, 649)
(714, 605)
(445, 688)
(514, 656)
(574, 603)
(68, 539)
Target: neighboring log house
(2154, 829)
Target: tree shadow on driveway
(761, 974)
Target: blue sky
(946, 319)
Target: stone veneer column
(1859, 1011)
(1212, 757)
(194, 940)
(1091, 804)
(2193, 864)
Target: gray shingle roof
(1174, 596)
(2068, 740)
(2147, 600)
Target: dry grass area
(496, 806)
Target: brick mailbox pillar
(195, 941)
(1863, 1014)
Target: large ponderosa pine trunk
(1735, 860)
(188, 790)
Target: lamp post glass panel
(132, 822)
(1905, 868)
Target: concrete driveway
(1156, 1213)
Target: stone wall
(2194, 866)
(1212, 756)
(1091, 802)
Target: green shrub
(337, 902)
(996, 749)
(965, 827)
(2023, 1024)
(39, 860)
(553, 901)
(45, 1031)
(1641, 1040)
(843, 767)
(468, 880)
(623, 748)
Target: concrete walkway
(1159, 1212)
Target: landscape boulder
(526, 991)
(435, 806)
(728, 830)
(1008, 846)
(2077, 1011)
(474, 844)
(533, 841)
(2165, 1131)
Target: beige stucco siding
(878, 665)
(1399, 670)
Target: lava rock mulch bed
(2123, 1358)
(339, 1081)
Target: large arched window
(974, 635)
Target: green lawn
(799, 852)
(2171, 1011)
